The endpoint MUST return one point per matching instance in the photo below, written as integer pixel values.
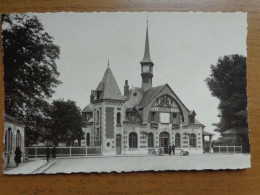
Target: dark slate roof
(88, 108)
(134, 97)
(109, 87)
(149, 95)
(147, 58)
(236, 130)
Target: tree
(65, 122)
(30, 71)
(227, 82)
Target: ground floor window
(132, 140)
(193, 140)
(150, 140)
(177, 140)
(18, 139)
(88, 139)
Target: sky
(182, 47)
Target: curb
(43, 168)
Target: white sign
(165, 117)
(83, 142)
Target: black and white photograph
(124, 91)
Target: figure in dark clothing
(169, 149)
(165, 149)
(53, 152)
(173, 149)
(18, 155)
(48, 152)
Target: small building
(143, 118)
(14, 136)
(237, 136)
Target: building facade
(13, 137)
(143, 118)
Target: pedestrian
(165, 149)
(48, 152)
(53, 152)
(18, 155)
(173, 149)
(169, 149)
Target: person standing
(169, 149)
(18, 155)
(173, 149)
(48, 152)
(53, 152)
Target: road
(146, 163)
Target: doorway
(118, 144)
(164, 140)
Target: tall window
(118, 118)
(174, 118)
(18, 139)
(153, 116)
(177, 140)
(132, 140)
(97, 134)
(88, 139)
(8, 140)
(97, 117)
(150, 140)
(193, 140)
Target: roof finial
(108, 63)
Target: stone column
(210, 148)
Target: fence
(38, 152)
(227, 149)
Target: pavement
(132, 163)
(34, 166)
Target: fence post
(218, 149)
(234, 149)
(227, 149)
(86, 150)
(70, 150)
(35, 151)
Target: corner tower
(146, 65)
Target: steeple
(146, 65)
(147, 58)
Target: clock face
(146, 68)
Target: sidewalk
(29, 167)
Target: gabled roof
(149, 95)
(109, 87)
(88, 108)
(134, 97)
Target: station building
(143, 118)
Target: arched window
(97, 117)
(118, 118)
(177, 140)
(8, 140)
(88, 139)
(193, 140)
(18, 139)
(133, 140)
(150, 140)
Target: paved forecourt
(146, 163)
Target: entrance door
(118, 144)
(164, 140)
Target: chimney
(92, 96)
(126, 88)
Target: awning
(205, 133)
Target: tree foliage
(65, 122)
(30, 71)
(228, 83)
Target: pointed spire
(147, 58)
(108, 62)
